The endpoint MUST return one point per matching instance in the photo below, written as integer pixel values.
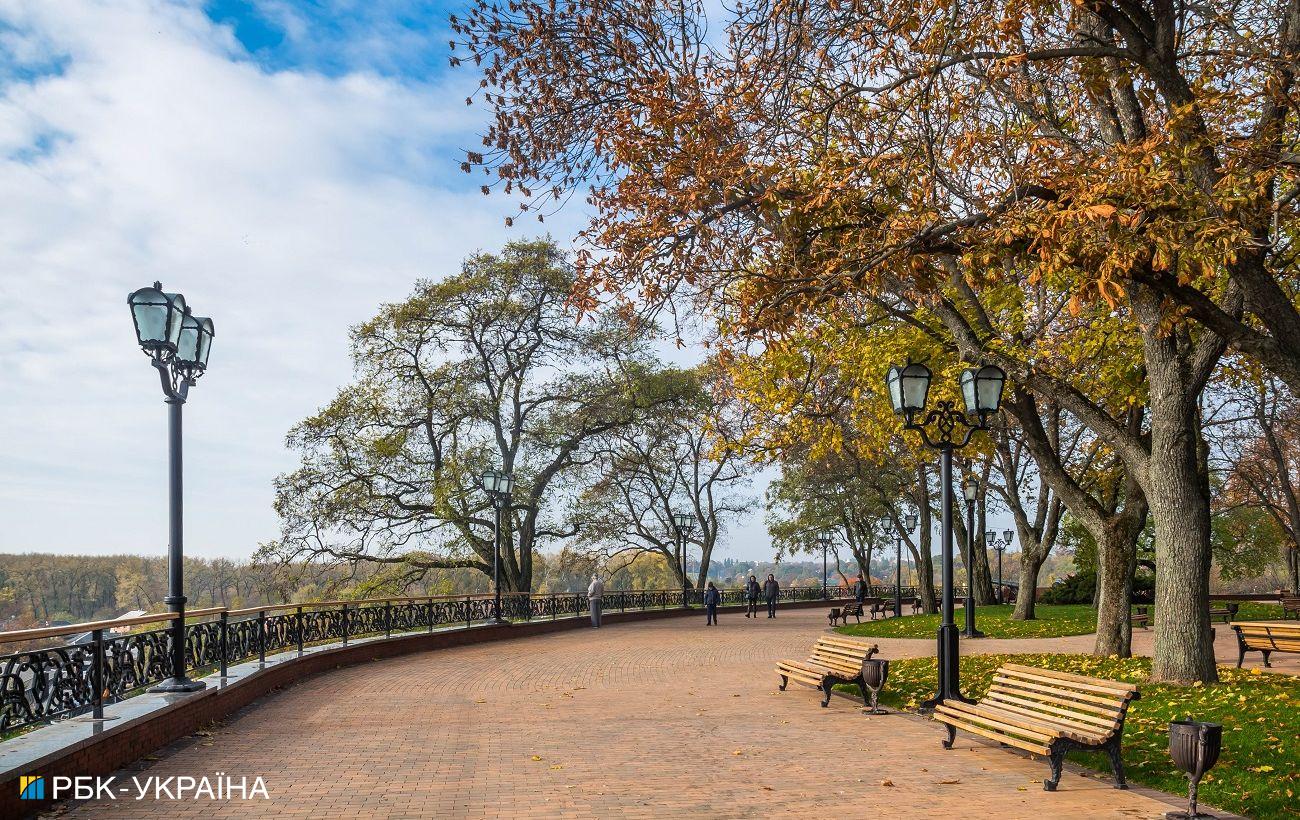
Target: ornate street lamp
(684, 526)
(1000, 547)
(971, 491)
(910, 521)
(909, 387)
(498, 485)
(177, 344)
(826, 538)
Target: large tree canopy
(1134, 161)
(486, 369)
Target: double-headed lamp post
(497, 484)
(909, 521)
(684, 527)
(971, 491)
(177, 343)
(981, 389)
(1000, 546)
(826, 538)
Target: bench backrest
(1094, 705)
(841, 653)
(1290, 603)
(1281, 635)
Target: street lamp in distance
(1000, 547)
(971, 492)
(684, 527)
(827, 539)
(498, 484)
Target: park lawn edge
(1258, 773)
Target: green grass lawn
(993, 621)
(1258, 773)
(1258, 611)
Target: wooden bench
(1048, 713)
(1227, 611)
(1291, 606)
(842, 613)
(1266, 637)
(834, 659)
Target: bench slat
(1069, 728)
(1098, 722)
(1110, 703)
(1010, 740)
(1014, 723)
(1106, 711)
(1069, 680)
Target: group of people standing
(770, 591)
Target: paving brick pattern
(648, 720)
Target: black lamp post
(826, 538)
(684, 526)
(981, 387)
(177, 343)
(999, 547)
(497, 484)
(971, 491)
(910, 520)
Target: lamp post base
(972, 634)
(178, 685)
(949, 671)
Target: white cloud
(286, 205)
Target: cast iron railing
(104, 664)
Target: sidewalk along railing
(105, 665)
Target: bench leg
(826, 687)
(1241, 655)
(1267, 652)
(952, 735)
(1116, 763)
(1054, 760)
(785, 681)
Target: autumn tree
(1257, 448)
(1131, 154)
(679, 456)
(489, 368)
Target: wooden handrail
(74, 629)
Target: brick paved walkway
(657, 719)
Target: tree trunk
(1031, 563)
(1116, 559)
(981, 574)
(1177, 489)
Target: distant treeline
(39, 589)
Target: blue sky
(288, 166)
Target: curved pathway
(656, 719)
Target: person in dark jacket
(770, 590)
(711, 600)
(751, 596)
(860, 590)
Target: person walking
(711, 600)
(771, 589)
(595, 593)
(751, 596)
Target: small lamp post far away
(971, 492)
(684, 527)
(826, 538)
(981, 388)
(1000, 547)
(177, 343)
(909, 522)
(498, 484)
